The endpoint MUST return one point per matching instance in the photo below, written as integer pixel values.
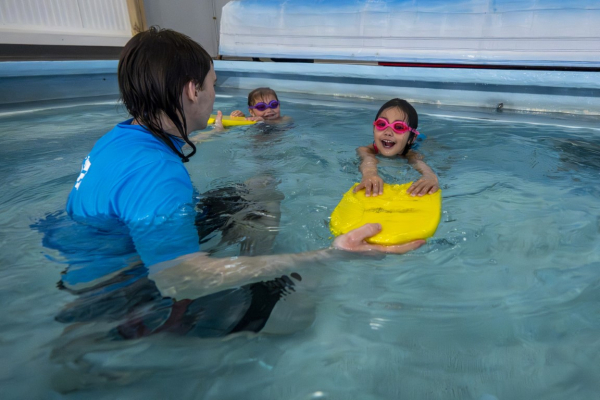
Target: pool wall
(42, 81)
(575, 92)
(529, 90)
(482, 32)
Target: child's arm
(370, 181)
(238, 113)
(428, 183)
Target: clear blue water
(502, 303)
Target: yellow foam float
(230, 121)
(403, 217)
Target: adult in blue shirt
(134, 185)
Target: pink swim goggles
(399, 127)
(262, 106)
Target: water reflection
(247, 214)
(111, 284)
(576, 153)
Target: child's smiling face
(269, 113)
(388, 142)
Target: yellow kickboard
(231, 121)
(403, 217)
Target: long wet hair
(154, 67)
(411, 115)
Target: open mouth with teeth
(388, 144)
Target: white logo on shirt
(85, 166)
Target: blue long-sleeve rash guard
(132, 183)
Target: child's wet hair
(412, 118)
(404, 106)
(259, 94)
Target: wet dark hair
(411, 115)
(260, 93)
(154, 67)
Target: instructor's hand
(355, 241)
(219, 120)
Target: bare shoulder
(414, 155)
(365, 150)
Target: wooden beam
(137, 16)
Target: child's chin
(390, 152)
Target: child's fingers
(430, 188)
(417, 188)
(359, 187)
(375, 188)
(372, 188)
(424, 189)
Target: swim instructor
(134, 182)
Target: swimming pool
(502, 303)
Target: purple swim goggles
(262, 106)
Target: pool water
(502, 303)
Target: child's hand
(372, 184)
(255, 119)
(428, 184)
(237, 113)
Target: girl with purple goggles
(263, 105)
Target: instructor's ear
(191, 90)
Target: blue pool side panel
(482, 32)
(549, 91)
(32, 81)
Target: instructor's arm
(197, 274)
